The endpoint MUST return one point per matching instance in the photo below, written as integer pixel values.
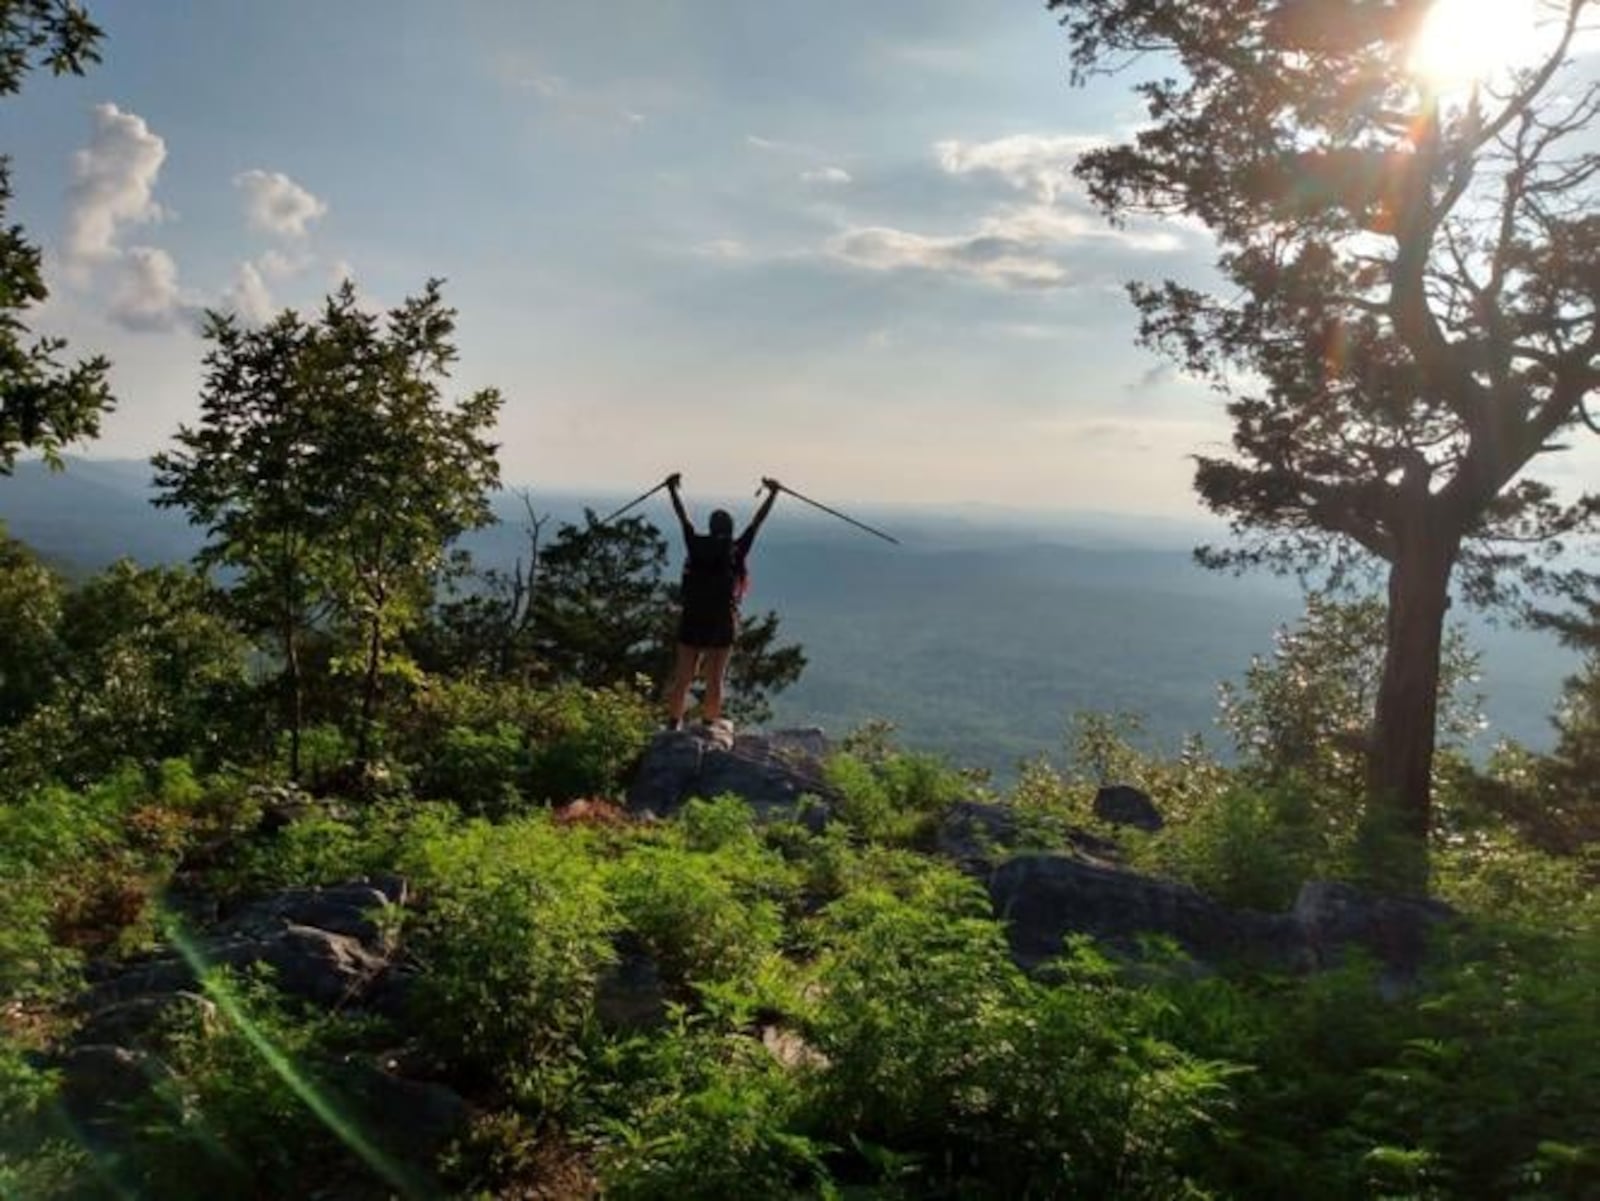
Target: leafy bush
(894, 797)
(514, 930)
(712, 1115)
(255, 1099)
(480, 770)
(939, 1049)
(79, 869)
(585, 741)
(479, 743)
(706, 898)
(1253, 847)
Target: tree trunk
(294, 699)
(369, 690)
(1400, 761)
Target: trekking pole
(638, 500)
(817, 504)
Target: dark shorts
(707, 628)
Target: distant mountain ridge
(977, 640)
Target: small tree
(44, 404)
(1572, 773)
(407, 473)
(1306, 712)
(331, 476)
(601, 610)
(605, 614)
(1411, 315)
(252, 474)
(30, 610)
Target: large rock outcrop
(330, 946)
(772, 772)
(1044, 898)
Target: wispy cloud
(1036, 242)
(825, 175)
(988, 256)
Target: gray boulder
(1043, 898)
(772, 772)
(629, 995)
(98, 1080)
(142, 1020)
(417, 1118)
(323, 944)
(318, 965)
(975, 833)
(1333, 918)
(352, 909)
(1124, 805)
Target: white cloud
(995, 259)
(249, 296)
(113, 179)
(145, 295)
(1040, 164)
(275, 204)
(1040, 241)
(830, 175)
(723, 248)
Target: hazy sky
(836, 241)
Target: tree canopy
(45, 403)
(1410, 320)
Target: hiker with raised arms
(714, 581)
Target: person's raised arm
(773, 488)
(674, 481)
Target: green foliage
(938, 1046)
(1306, 712)
(706, 901)
(514, 933)
(330, 474)
(30, 612)
(144, 668)
(1254, 846)
(79, 870)
(586, 740)
(895, 797)
(258, 1098)
(716, 1118)
(492, 745)
(44, 404)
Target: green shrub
(479, 770)
(704, 917)
(893, 797)
(78, 869)
(585, 742)
(513, 930)
(256, 1100)
(1252, 848)
(714, 1115)
(952, 1063)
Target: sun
(1462, 42)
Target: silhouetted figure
(714, 581)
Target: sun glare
(1462, 42)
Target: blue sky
(836, 242)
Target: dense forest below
(1036, 620)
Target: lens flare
(1462, 42)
